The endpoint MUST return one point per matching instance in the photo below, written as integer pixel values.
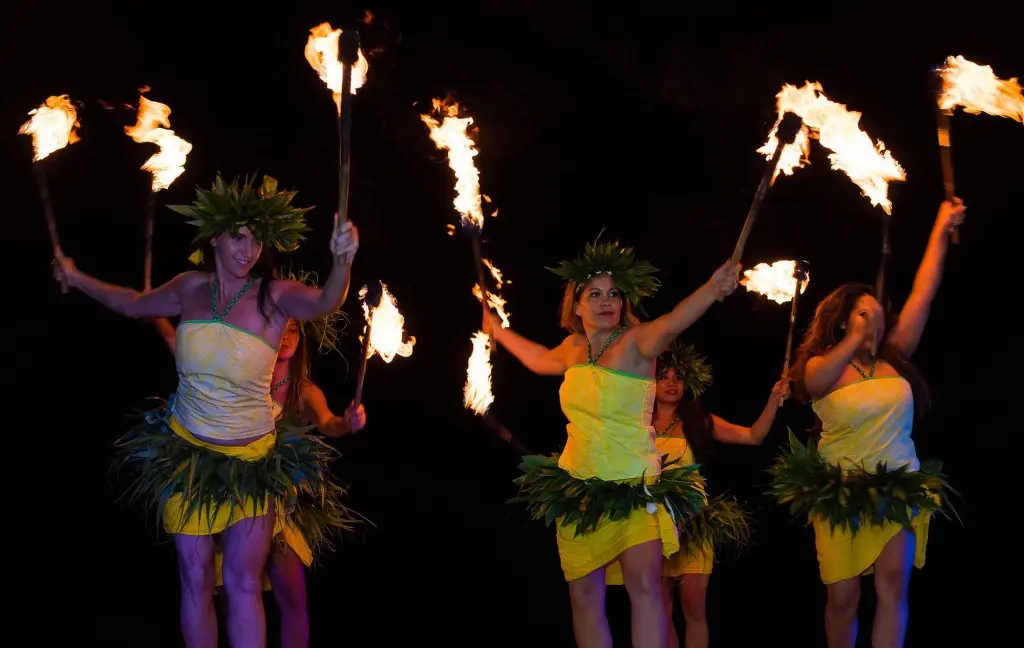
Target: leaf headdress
(635, 279)
(267, 212)
(691, 367)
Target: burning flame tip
(385, 324)
(322, 55)
(52, 126)
(152, 126)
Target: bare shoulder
(574, 349)
(189, 282)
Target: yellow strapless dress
(223, 394)
(865, 423)
(679, 563)
(610, 438)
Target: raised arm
(652, 338)
(726, 432)
(164, 301)
(327, 422)
(906, 334)
(536, 357)
(304, 303)
(823, 371)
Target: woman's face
(670, 387)
(236, 252)
(289, 342)
(872, 310)
(600, 304)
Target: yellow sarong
(610, 438)
(679, 563)
(865, 423)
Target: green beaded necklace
(611, 338)
(213, 299)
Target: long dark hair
(298, 375)
(826, 330)
(265, 268)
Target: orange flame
(451, 135)
(867, 164)
(976, 89)
(52, 127)
(775, 281)
(386, 324)
(322, 54)
(169, 162)
(477, 394)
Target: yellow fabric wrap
(865, 423)
(678, 564)
(610, 438)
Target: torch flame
(451, 135)
(976, 89)
(385, 323)
(868, 164)
(477, 394)
(169, 162)
(52, 127)
(322, 54)
(775, 281)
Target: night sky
(642, 124)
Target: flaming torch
(384, 334)
(53, 126)
(338, 60)
(165, 165)
(780, 282)
(976, 89)
(868, 164)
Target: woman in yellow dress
(213, 461)
(863, 488)
(685, 434)
(608, 493)
(295, 395)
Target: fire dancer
(633, 505)
(220, 423)
(686, 433)
(868, 497)
(295, 395)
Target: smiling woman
(243, 470)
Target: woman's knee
(844, 596)
(693, 592)
(195, 570)
(288, 580)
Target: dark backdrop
(641, 122)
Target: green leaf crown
(267, 212)
(633, 278)
(691, 367)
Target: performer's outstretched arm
(536, 357)
(164, 301)
(726, 432)
(906, 334)
(823, 371)
(327, 422)
(652, 338)
(305, 303)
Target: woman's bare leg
(841, 613)
(892, 580)
(693, 590)
(641, 573)
(246, 547)
(669, 592)
(589, 621)
(288, 579)
(195, 572)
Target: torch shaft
(51, 220)
(481, 274)
(147, 271)
(361, 378)
(503, 432)
(882, 264)
(798, 277)
(344, 143)
(755, 206)
(946, 158)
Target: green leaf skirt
(848, 499)
(550, 493)
(293, 477)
